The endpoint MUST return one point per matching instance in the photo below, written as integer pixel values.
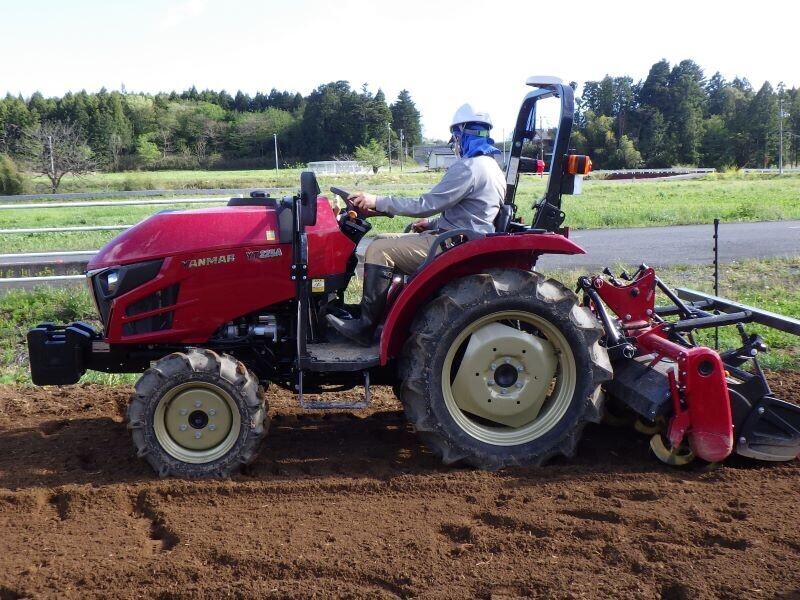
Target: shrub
(11, 180)
(134, 183)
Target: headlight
(110, 281)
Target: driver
(469, 196)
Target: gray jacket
(469, 196)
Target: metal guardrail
(47, 254)
(666, 171)
(39, 279)
(226, 192)
(67, 229)
(32, 260)
(774, 170)
(24, 206)
(75, 200)
(140, 193)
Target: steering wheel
(360, 212)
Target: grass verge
(731, 198)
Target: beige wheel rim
(197, 422)
(509, 378)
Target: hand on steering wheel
(362, 204)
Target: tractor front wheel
(503, 368)
(197, 414)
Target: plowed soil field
(351, 505)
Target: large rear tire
(503, 368)
(197, 414)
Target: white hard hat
(467, 114)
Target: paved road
(656, 246)
(685, 244)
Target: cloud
(178, 14)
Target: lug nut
(183, 427)
(212, 412)
(212, 427)
(490, 382)
(761, 410)
(183, 412)
(197, 435)
(520, 369)
(493, 366)
(507, 361)
(519, 385)
(197, 404)
(742, 440)
(503, 391)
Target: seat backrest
(503, 218)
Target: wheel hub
(505, 375)
(195, 421)
(198, 419)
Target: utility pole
(504, 147)
(275, 137)
(389, 144)
(780, 128)
(402, 153)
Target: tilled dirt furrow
(351, 505)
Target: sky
(444, 52)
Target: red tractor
(495, 364)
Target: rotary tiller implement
(696, 402)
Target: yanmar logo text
(210, 260)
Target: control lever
(607, 272)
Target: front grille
(129, 277)
(160, 322)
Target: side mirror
(309, 190)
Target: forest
(210, 129)
(675, 116)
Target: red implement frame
(702, 409)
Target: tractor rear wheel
(197, 414)
(503, 368)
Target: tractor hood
(171, 233)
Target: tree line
(209, 129)
(678, 117)
(675, 116)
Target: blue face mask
(472, 145)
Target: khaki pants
(403, 252)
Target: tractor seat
(453, 237)
(503, 218)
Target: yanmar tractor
(495, 364)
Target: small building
(437, 158)
(338, 167)
(440, 158)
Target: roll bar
(548, 214)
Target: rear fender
(515, 251)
